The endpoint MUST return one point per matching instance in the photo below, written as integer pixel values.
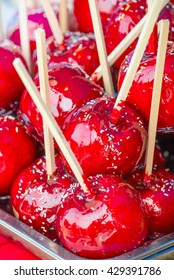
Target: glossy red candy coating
(124, 18)
(77, 48)
(35, 199)
(141, 90)
(112, 223)
(70, 88)
(36, 19)
(83, 16)
(11, 86)
(102, 147)
(17, 151)
(158, 197)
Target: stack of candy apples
(87, 106)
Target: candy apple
(83, 16)
(11, 86)
(17, 151)
(70, 88)
(158, 196)
(79, 48)
(112, 223)
(140, 93)
(123, 19)
(36, 19)
(100, 146)
(34, 198)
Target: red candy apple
(34, 199)
(70, 88)
(11, 86)
(112, 223)
(124, 18)
(140, 93)
(77, 48)
(36, 19)
(17, 151)
(158, 196)
(83, 16)
(100, 146)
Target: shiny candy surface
(102, 147)
(76, 48)
(11, 86)
(70, 88)
(158, 196)
(141, 90)
(83, 17)
(112, 223)
(17, 151)
(35, 199)
(124, 18)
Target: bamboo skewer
(24, 34)
(54, 128)
(45, 93)
(107, 79)
(63, 15)
(156, 96)
(149, 4)
(53, 21)
(136, 58)
(1, 24)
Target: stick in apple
(1, 25)
(54, 128)
(96, 20)
(45, 93)
(156, 95)
(53, 21)
(136, 58)
(24, 35)
(63, 15)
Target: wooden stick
(107, 79)
(24, 34)
(45, 93)
(63, 15)
(136, 58)
(149, 4)
(120, 49)
(53, 21)
(156, 96)
(1, 24)
(54, 128)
